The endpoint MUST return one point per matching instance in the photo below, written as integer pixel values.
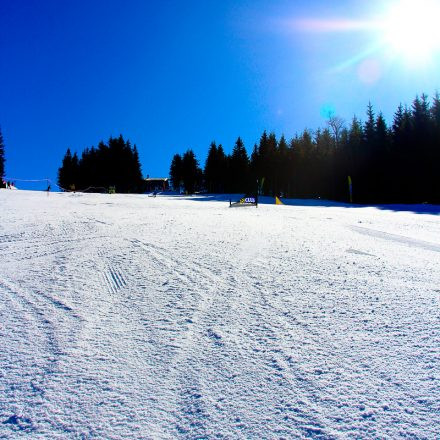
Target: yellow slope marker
(278, 201)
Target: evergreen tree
(65, 172)
(381, 181)
(341, 167)
(272, 184)
(75, 171)
(261, 160)
(303, 149)
(401, 155)
(221, 171)
(216, 169)
(354, 158)
(323, 164)
(283, 166)
(136, 170)
(239, 168)
(421, 139)
(253, 166)
(211, 166)
(367, 171)
(435, 150)
(176, 172)
(2, 156)
(191, 172)
(435, 111)
(369, 125)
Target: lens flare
(402, 31)
(327, 110)
(369, 71)
(318, 25)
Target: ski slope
(124, 316)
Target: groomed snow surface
(127, 316)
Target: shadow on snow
(422, 208)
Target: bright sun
(412, 30)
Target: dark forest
(113, 165)
(386, 164)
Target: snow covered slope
(123, 316)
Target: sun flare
(411, 29)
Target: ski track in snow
(398, 238)
(135, 317)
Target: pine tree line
(115, 164)
(222, 173)
(387, 164)
(185, 172)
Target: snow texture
(123, 316)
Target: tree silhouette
(239, 168)
(68, 172)
(176, 172)
(211, 166)
(191, 172)
(336, 124)
(2, 156)
(396, 164)
(115, 164)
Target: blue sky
(173, 75)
